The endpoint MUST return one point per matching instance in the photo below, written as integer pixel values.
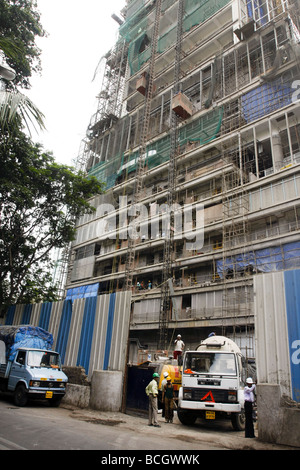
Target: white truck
(213, 378)
(28, 366)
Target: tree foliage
(19, 27)
(17, 109)
(39, 199)
(39, 203)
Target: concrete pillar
(277, 151)
(106, 390)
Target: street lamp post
(6, 72)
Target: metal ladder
(137, 193)
(165, 303)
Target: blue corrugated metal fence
(292, 295)
(84, 329)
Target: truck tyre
(20, 395)
(238, 421)
(186, 417)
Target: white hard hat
(249, 380)
(178, 336)
(166, 374)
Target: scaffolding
(110, 98)
(130, 255)
(237, 302)
(168, 256)
(236, 111)
(223, 119)
(228, 73)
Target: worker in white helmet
(249, 398)
(178, 350)
(163, 383)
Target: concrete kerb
(231, 440)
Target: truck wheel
(238, 421)
(186, 417)
(20, 395)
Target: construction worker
(249, 401)
(152, 392)
(179, 347)
(168, 397)
(163, 383)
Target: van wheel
(238, 421)
(20, 395)
(55, 402)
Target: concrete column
(106, 390)
(277, 151)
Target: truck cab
(212, 383)
(34, 373)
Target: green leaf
(14, 104)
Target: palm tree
(14, 104)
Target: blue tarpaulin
(265, 99)
(25, 336)
(267, 260)
(82, 292)
(256, 11)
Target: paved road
(40, 427)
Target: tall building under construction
(197, 139)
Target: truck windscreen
(209, 363)
(43, 359)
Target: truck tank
(219, 343)
(174, 371)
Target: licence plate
(49, 394)
(210, 415)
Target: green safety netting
(107, 172)
(137, 26)
(156, 154)
(196, 12)
(136, 56)
(167, 39)
(203, 130)
(133, 6)
(135, 23)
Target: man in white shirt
(249, 400)
(179, 347)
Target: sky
(79, 34)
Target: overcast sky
(79, 34)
